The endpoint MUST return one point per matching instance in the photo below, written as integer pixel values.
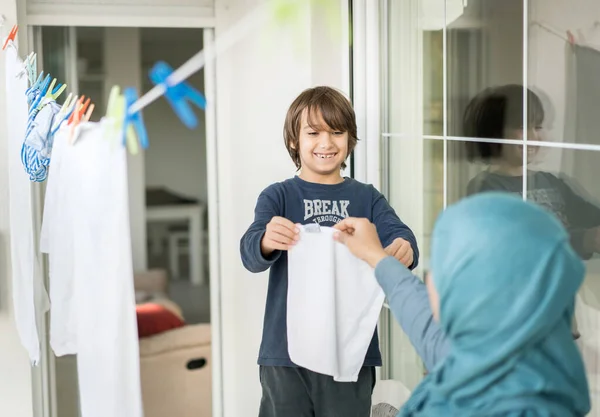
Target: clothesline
(229, 38)
(551, 30)
(566, 36)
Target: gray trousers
(298, 392)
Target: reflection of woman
(497, 113)
(503, 345)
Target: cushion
(153, 318)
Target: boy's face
(513, 154)
(322, 151)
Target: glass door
(443, 60)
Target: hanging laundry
(27, 282)
(56, 239)
(333, 306)
(37, 146)
(86, 232)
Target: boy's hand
(401, 250)
(360, 236)
(281, 234)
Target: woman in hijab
(497, 337)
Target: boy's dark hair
(333, 106)
(492, 112)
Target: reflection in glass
(484, 49)
(566, 73)
(405, 365)
(433, 83)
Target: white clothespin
(312, 228)
(65, 111)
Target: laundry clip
(79, 115)
(37, 90)
(133, 123)
(178, 94)
(31, 67)
(11, 36)
(312, 228)
(115, 113)
(52, 93)
(64, 113)
(34, 87)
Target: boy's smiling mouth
(325, 155)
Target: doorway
(169, 191)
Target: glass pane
(417, 201)
(565, 182)
(470, 172)
(564, 76)
(405, 365)
(414, 83)
(54, 54)
(485, 48)
(90, 67)
(433, 82)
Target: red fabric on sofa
(154, 319)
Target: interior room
(168, 206)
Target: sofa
(176, 364)
(176, 372)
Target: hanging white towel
(333, 306)
(30, 300)
(56, 240)
(93, 273)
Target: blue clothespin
(178, 94)
(133, 123)
(33, 90)
(40, 91)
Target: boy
(319, 134)
(497, 113)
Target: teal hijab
(507, 278)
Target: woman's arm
(408, 300)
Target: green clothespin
(115, 115)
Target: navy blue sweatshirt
(303, 202)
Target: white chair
(179, 244)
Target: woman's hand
(360, 236)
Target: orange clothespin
(89, 112)
(78, 115)
(11, 36)
(79, 108)
(570, 37)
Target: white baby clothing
(333, 306)
(30, 300)
(87, 235)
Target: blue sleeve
(252, 257)
(409, 303)
(390, 227)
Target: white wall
(122, 54)
(176, 158)
(256, 82)
(15, 372)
